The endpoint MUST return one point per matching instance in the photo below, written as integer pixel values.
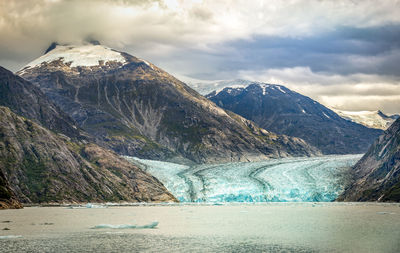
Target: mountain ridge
(43, 161)
(281, 110)
(137, 109)
(43, 167)
(376, 177)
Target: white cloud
(28, 26)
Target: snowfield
(85, 55)
(372, 119)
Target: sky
(345, 54)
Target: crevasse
(278, 180)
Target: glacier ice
(127, 226)
(279, 180)
(10, 236)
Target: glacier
(316, 179)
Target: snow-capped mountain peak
(237, 86)
(205, 88)
(372, 119)
(79, 55)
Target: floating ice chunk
(385, 213)
(10, 236)
(90, 205)
(127, 226)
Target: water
(278, 180)
(234, 207)
(260, 227)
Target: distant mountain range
(371, 119)
(281, 110)
(68, 116)
(376, 177)
(137, 109)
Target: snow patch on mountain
(205, 88)
(84, 55)
(372, 119)
(147, 63)
(264, 89)
(280, 89)
(326, 115)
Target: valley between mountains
(69, 117)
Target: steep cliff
(42, 166)
(25, 99)
(7, 197)
(376, 177)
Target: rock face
(27, 100)
(280, 110)
(137, 109)
(42, 166)
(377, 175)
(7, 197)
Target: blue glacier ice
(279, 180)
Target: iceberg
(10, 236)
(315, 179)
(127, 226)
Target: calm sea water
(261, 227)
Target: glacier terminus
(316, 179)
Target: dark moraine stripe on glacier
(279, 180)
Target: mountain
(371, 119)
(206, 87)
(376, 177)
(27, 100)
(7, 197)
(57, 163)
(280, 110)
(137, 109)
(42, 166)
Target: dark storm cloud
(346, 50)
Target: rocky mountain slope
(377, 175)
(42, 166)
(371, 119)
(27, 100)
(280, 110)
(137, 109)
(7, 197)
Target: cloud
(206, 39)
(28, 26)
